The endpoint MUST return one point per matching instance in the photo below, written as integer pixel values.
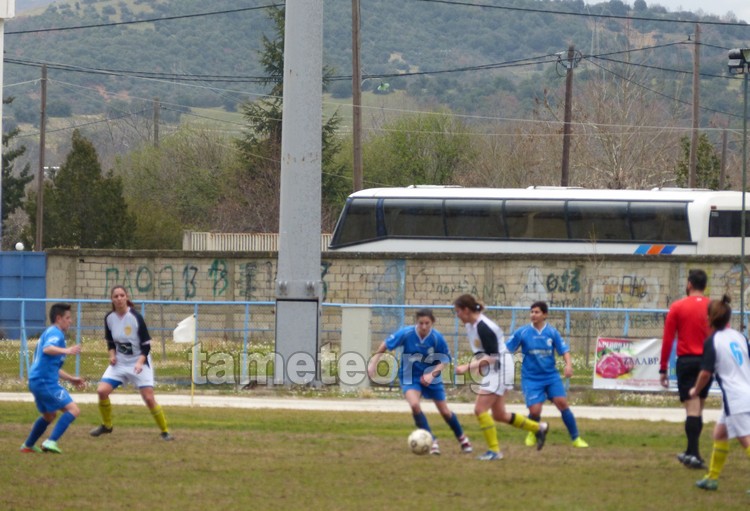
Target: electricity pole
(38, 247)
(569, 64)
(693, 173)
(7, 11)
(356, 100)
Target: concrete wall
(563, 281)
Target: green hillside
(462, 54)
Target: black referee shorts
(687, 369)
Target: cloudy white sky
(741, 8)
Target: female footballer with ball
(486, 341)
(129, 344)
(425, 353)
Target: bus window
(414, 218)
(474, 219)
(358, 222)
(536, 219)
(598, 221)
(726, 224)
(660, 222)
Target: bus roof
(443, 192)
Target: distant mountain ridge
(467, 54)
(26, 5)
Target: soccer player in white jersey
(492, 362)
(129, 344)
(725, 356)
(44, 382)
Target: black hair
(698, 279)
(58, 309)
(425, 313)
(542, 306)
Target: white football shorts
(124, 373)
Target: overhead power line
(135, 22)
(585, 14)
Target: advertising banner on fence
(627, 364)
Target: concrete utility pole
(693, 163)
(7, 11)
(298, 284)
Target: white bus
(538, 220)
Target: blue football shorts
(539, 392)
(49, 397)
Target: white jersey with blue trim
(725, 354)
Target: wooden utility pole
(38, 247)
(723, 171)
(356, 100)
(157, 107)
(693, 174)
(568, 116)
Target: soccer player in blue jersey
(129, 345)
(540, 379)
(491, 362)
(425, 354)
(44, 382)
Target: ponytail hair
(467, 301)
(130, 304)
(719, 313)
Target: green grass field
(263, 459)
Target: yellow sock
(519, 421)
(487, 425)
(105, 409)
(718, 458)
(160, 418)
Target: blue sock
(570, 422)
(37, 430)
(455, 426)
(421, 421)
(62, 424)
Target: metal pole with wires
(739, 63)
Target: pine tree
(83, 208)
(260, 146)
(13, 185)
(708, 166)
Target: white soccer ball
(420, 441)
(19, 246)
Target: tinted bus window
(592, 221)
(726, 224)
(474, 218)
(358, 222)
(414, 218)
(663, 222)
(536, 219)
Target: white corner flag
(185, 331)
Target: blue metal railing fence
(244, 325)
